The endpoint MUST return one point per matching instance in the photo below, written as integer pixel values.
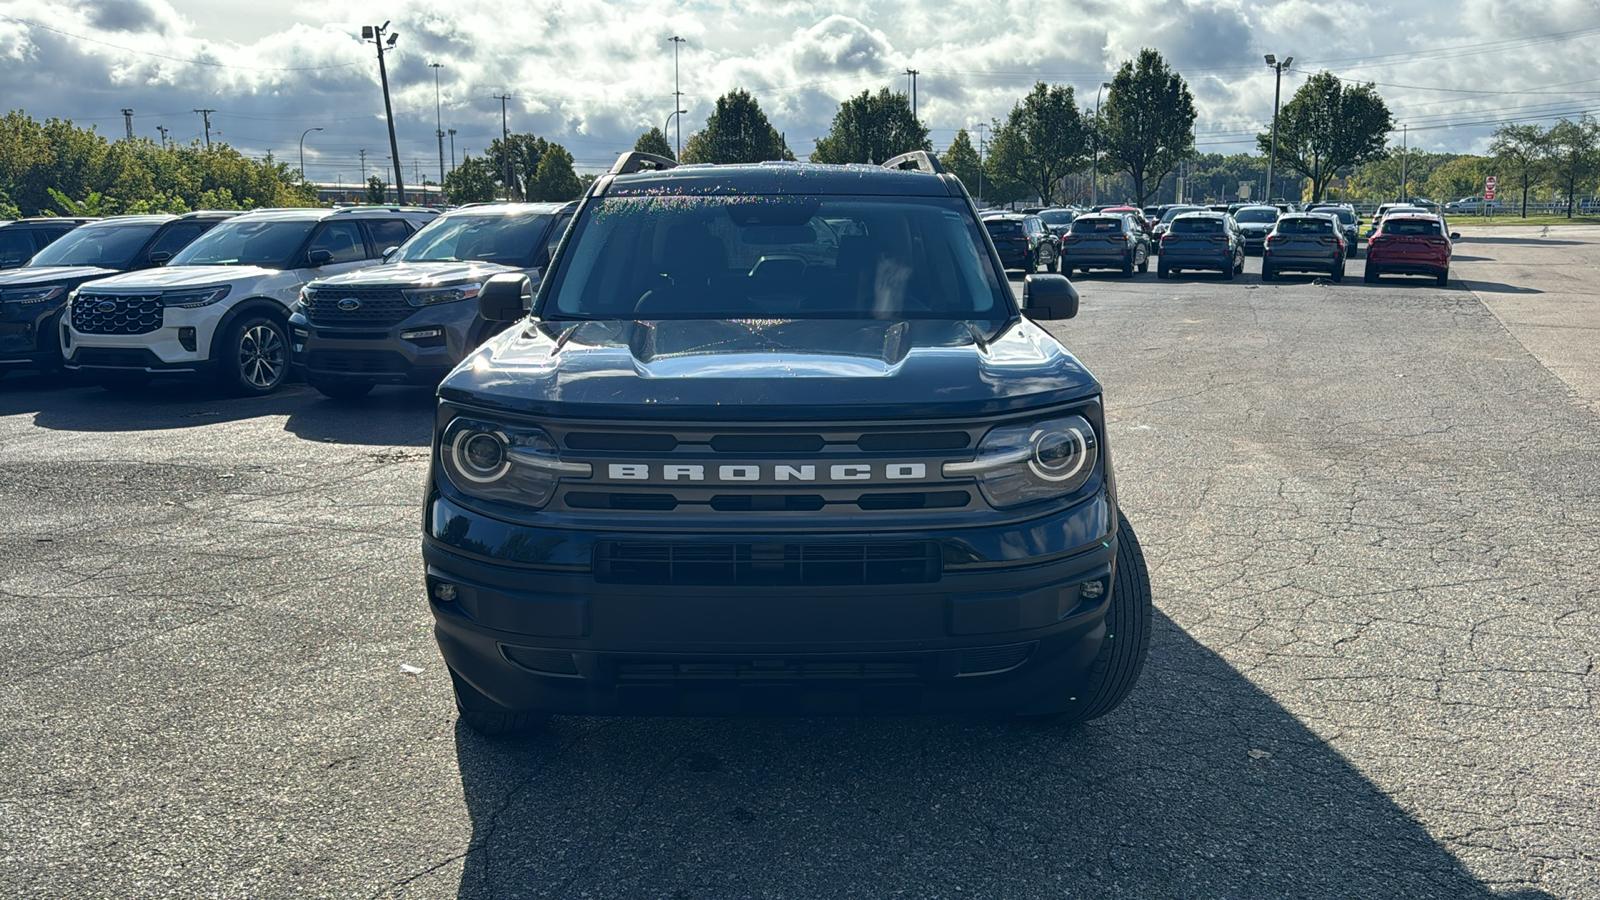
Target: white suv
(221, 305)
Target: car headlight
(1019, 464)
(196, 298)
(32, 295)
(510, 464)
(446, 293)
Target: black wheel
(1370, 276)
(1144, 264)
(254, 358)
(1337, 275)
(1050, 259)
(1444, 278)
(1238, 268)
(488, 718)
(123, 382)
(1116, 668)
(1227, 271)
(343, 390)
(1162, 271)
(1127, 269)
(1267, 273)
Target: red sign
(1489, 182)
(1489, 194)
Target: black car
(1255, 221)
(1349, 223)
(22, 238)
(32, 297)
(1023, 242)
(1201, 240)
(732, 464)
(1058, 219)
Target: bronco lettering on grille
(767, 473)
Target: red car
(1410, 244)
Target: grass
(1530, 220)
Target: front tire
(255, 356)
(343, 390)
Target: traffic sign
(1489, 182)
(1489, 194)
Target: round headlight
(480, 456)
(1059, 454)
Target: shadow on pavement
(389, 416)
(1541, 241)
(1199, 786)
(1495, 287)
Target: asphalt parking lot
(1371, 516)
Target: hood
(420, 274)
(804, 369)
(15, 278)
(170, 277)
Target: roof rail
(638, 161)
(923, 161)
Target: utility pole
(1405, 158)
(163, 130)
(1277, 92)
(205, 116)
(912, 75)
(374, 33)
(677, 94)
(452, 149)
(505, 140)
(363, 167)
(438, 121)
(983, 133)
(127, 120)
(1094, 185)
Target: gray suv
(412, 319)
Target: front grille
(115, 358)
(720, 669)
(123, 313)
(376, 362)
(791, 564)
(378, 307)
(768, 502)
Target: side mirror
(1455, 235)
(319, 257)
(506, 297)
(389, 251)
(159, 257)
(1049, 297)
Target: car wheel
(1162, 271)
(1444, 278)
(1370, 276)
(1337, 275)
(1267, 273)
(343, 390)
(1127, 269)
(123, 382)
(1050, 260)
(1144, 264)
(1238, 268)
(487, 717)
(1227, 271)
(255, 356)
(1116, 668)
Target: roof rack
(637, 161)
(923, 161)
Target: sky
(593, 75)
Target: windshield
(789, 257)
(1412, 227)
(1345, 216)
(272, 245)
(106, 246)
(1258, 214)
(1003, 226)
(512, 240)
(1057, 216)
(1177, 211)
(1318, 225)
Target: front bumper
(29, 335)
(1006, 624)
(420, 350)
(181, 345)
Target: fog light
(186, 337)
(421, 333)
(444, 592)
(1092, 590)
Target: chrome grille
(116, 313)
(381, 307)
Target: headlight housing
(442, 293)
(1021, 464)
(195, 298)
(510, 464)
(31, 295)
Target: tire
(1050, 260)
(1444, 278)
(1370, 276)
(1337, 275)
(488, 718)
(1267, 273)
(1227, 271)
(255, 357)
(1239, 269)
(1127, 269)
(1162, 271)
(343, 390)
(1116, 668)
(1145, 265)
(124, 382)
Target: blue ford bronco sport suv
(778, 438)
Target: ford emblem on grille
(349, 304)
(107, 306)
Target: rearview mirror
(506, 297)
(1049, 297)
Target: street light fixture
(668, 127)
(303, 150)
(438, 120)
(375, 34)
(1277, 92)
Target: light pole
(452, 149)
(374, 33)
(668, 126)
(303, 150)
(1405, 157)
(1277, 92)
(438, 119)
(983, 132)
(677, 95)
(1094, 183)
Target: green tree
(1147, 123)
(472, 182)
(871, 128)
(1043, 139)
(1460, 176)
(555, 180)
(653, 141)
(1521, 149)
(961, 160)
(377, 190)
(737, 132)
(1570, 150)
(1329, 126)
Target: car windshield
(1003, 226)
(778, 257)
(106, 246)
(1177, 211)
(1256, 214)
(1056, 216)
(512, 240)
(1097, 226)
(1345, 216)
(1318, 225)
(1412, 227)
(270, 244)
(1197, 225)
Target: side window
(16, 247)
(178, 237)
(388, 233)
(553, 239)
(343, 240)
